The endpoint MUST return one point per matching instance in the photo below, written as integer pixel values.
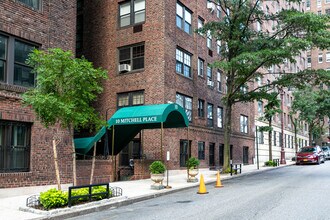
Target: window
(209, 73)
(259, 80)
(130, 99)
(309, 61)
(327, 11)
(15, 71)
(183, 18)
(274, 137)
(32, 3)
(260, 107)
(244, 124)
(220, 117)
(79, 32)
(218, 11)
(209, 115)
(183, 63)
(200, 66)
(320, 57)
(319, 3)
(200, 23)
(219, 85)
(327, 57)
(15, 140)
(327, 1)
(132, 12)
(201, 111)
(209, 40)
(218, 47)
(260, 137)
(132, 55)
(201, 150)
(186, 103)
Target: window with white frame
(219, 85)
(259, 80)
(209, 73)
(200, 23)
(327, 1)
(218, 11)
(260, 137)
(327, 57)
(320, 57)
(244, 124)
(209, 115)
(309, 61)
(183, 62)
(219, 47)
(220, 117)
(319, 2)
(200, 66)
(186, 103)
(132, 12)
(183, 18)
(130, 99)
(260, 107)
(274, 138)
(209, 40)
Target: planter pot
(192, 173)
(158, 181)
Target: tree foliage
(247, 52)
(65, 88)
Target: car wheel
(297, 163)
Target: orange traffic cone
(202, 188)
(218, 183)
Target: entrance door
(245, 155)
(221, 159)
(185, 152)
(211, 154)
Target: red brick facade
(159, 80)
(51, 26)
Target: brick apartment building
(319, 59)
(26, 156)
(282, 124)
(153, 56)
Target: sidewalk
(13, 200)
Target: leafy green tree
(247, 51)
(65, 88)
(313, 110)
(272, 108)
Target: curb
(74, 211)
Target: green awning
(129, 121)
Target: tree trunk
(227, 127)
(93, 165)
(295, 134)
(57, 171)
(270, 140)
(74, 164)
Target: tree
(272, 108)
(313, 109)
(248, 51)
(65, 88)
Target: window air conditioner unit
(210, 83)
(124, 68)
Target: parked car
(310, 154)
(326, 150)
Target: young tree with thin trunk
(65, 88)
(247, 51)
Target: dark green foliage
(157, 167)
(192, 163)
(270, 163)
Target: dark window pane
(22, 51)
(31, 3)
(2, 70)
(23, 76)
(3, 47)
(124, 54)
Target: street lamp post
(282, 130)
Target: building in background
(26, 155)
(154, 56)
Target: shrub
(53, 198)
(192, 163)
(270, 163)
(157, 167)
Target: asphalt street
(293, 192)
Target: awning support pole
(112, 153)
(161, 141)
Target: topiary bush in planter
(192, 163)
(53, 198)
(157, 167)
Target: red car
(310, 154)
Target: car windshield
(308, 149)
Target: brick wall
(52, 26)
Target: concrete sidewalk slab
(13, 200)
